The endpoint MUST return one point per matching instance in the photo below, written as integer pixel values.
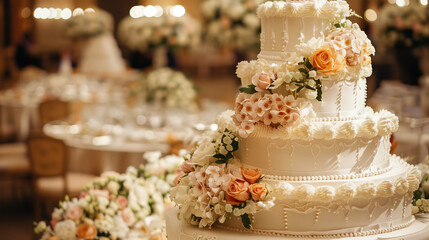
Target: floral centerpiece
(141, 34)
(403, 26)
(117, 206)
(212, 184)
(171, 89)
(280, 95)
(421, 195)
(88, 25)
(232, 24)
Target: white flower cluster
(212, 184)
(170, 88)
(421, 196)
(271, 109)
(232, 23)
(141, 34)
(88, 25)
(117, 205)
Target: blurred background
(93, 74)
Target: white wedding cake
(301, 155)
(102, 56)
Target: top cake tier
(286, 24)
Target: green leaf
(308, 64)
(311, 88)
(337, 25)
(417, 194)
(319, 94)
(299, 89)
(251, 89)
(245, 219)
(221, 156)
(303, 70)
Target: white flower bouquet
(406, 27)
(213, 186)
(232, 24)
(118, 206)
(170, 88)
(141, 34)
(88, 25)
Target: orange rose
(326, 61)
(53, 238)
(86, 231)
(258, 191)
(264, 81)
(251, 175)
(238, 191)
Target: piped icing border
(371, 125)
(326, 178)
(333, 235)
(311, 8)
(348, 191)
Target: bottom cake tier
(331, 208)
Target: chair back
(48, 156)
(52, 110)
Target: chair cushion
(14, 164)
(13, 148)
(52, 187)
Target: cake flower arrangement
(421, 195)
(232, 24)
(88, 25)
(117, 206)
(213, 185)
(172, 33)
(171, 89)
(279, 95)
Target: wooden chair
(50, 178)
(15, 167)
(54, 109)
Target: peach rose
(128, 216)
(238, 190)
(54, 238)
(86, 231)
(251, 175)
(258, 191)
(74, 213)
(326, 61)
(264, 81)
(158, 236)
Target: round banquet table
(95, 155)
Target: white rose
(310, 94)
(113, 187)
(65, 230)
(205, 151)
(119, 227)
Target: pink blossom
(187, 167)
(122, 201)
(99, 193)
(128, 216)
(74, 213)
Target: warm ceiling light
(137, 11)
(150, 11)
(66, 13)
(424, 2)
(178, 11)
(78, 11)
(371, 15)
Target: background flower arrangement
(232, 24)
(141, 34)
(118, 206)
(88, 25)
(213, 186)
(167, 87)
(404, 27)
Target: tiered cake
(302, 155)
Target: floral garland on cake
(88, 25)
(403, 26)
(118, 206)
(344, 54)
(170, 88)
(213, 186)
(142, 34)
(232, 24)
(421, 195)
